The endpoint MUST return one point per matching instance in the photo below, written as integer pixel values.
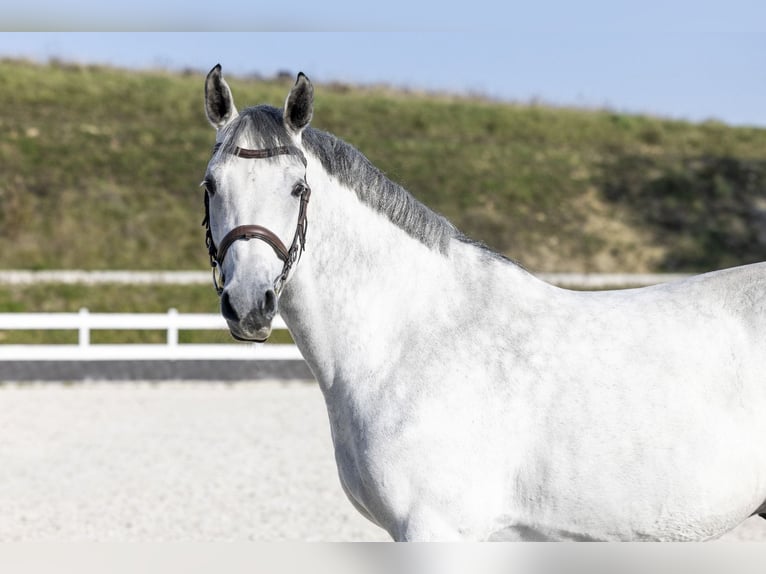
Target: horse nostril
(269, 303)
(227, 310)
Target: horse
(468, 399)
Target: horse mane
(352, 168)
(263, 126)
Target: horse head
(256, 198)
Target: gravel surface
(179, 461)
(170, 462)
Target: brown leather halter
(289, 257)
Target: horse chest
(373, 464)
(409, 452)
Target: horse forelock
(258, 127)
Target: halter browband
(264, 153)
(289, 257)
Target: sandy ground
(171, 461)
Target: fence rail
(172, 322)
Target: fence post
(84, 330)
(172, 327)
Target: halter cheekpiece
(289, 257)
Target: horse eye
(298, 189)
(208, 185)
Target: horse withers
(468, 399)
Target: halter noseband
(289, 257)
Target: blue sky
(690, 60)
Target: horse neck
(360, 286)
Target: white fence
(171, 322)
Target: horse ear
(219, 103)
(299, 105)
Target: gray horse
(468, 399)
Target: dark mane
(355, 171)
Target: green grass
(100, 170)
(102, 298)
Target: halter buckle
(218, 279)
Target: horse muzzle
(250, 336)
(255, 325)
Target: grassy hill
(100, 169)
